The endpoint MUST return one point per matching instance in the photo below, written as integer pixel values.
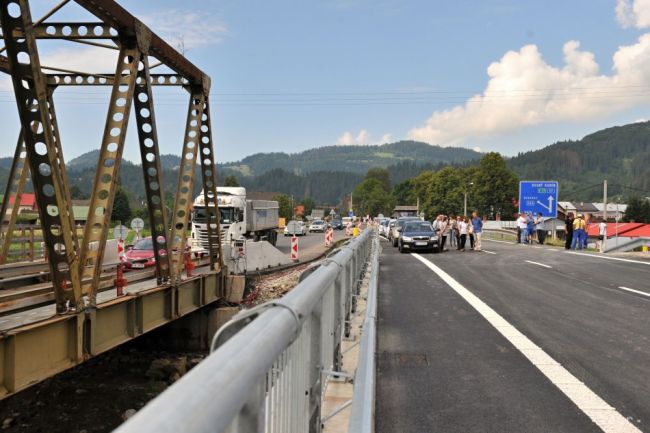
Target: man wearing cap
(579, 227)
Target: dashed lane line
(597, 409)
(538, 264)
(634, 291)
(489, 252)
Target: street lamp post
(465, 201)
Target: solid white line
(489, 252)
(538, 264)
(607, 258)
(634, 291)
(604, 415)
(501, 242)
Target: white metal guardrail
(269, 371)
(362, 417)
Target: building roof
(624, 229)
(585, 207)
(26, 199)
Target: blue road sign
(538, 197)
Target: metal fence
(362, 417)
(272, 363)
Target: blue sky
(292, 75)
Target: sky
(290, 75)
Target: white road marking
(538, 264)
(384, 238)
(634, 291)
(608, 258)
(597, 409)
(489, 252)
(501, 242)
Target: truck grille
(203, 237)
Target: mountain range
(620, 154)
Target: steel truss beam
(15, 187)
(35, 108)
(111, 13)
(106, 177)
(183, 198)
(153, 185)
(70, 31)
(209, 175)
(108, 79)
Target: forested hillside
(620, 154)
(356, 159)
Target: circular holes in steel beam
(144, 112)
(44, 169)
(52, 210)
(14, 10)
(40, 148)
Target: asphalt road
(443, 367)
(310, 246)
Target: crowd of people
(458, 229)
(531, 228)
(577, 232)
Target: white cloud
(186, 30)
(361, 138)
(633, 13)
(523, 90)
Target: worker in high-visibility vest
(355, 231)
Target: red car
(141, 255)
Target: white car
(295, 228)
(318, 226)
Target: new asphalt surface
(442, 367)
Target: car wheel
(394, 242)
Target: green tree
(76, 193)
(370, 198)
(638, 210)
(381, 175)
(230, 180)
(309, 204)
(286, 206)
(495, 186)
(121, 208)
(403, 193)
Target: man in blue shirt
(477, 225)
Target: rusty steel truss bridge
(83, 324)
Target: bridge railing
(271, 363)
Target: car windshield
(318, 222)
(418, 227)
(144, 244)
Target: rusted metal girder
(183, 198)
(109, 79)
(106, 176)
(209, 175)
(15, 187)
(70, 31)
(153, 184)
(111, 13)
(43, 153)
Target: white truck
(240, 218)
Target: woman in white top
(462, 229)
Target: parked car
(397, 228)
(295, 228)
(318, 226)
(418, 236)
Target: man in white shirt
(602, 233)
(522, 225)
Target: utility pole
(604, 241)
(351, 203)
